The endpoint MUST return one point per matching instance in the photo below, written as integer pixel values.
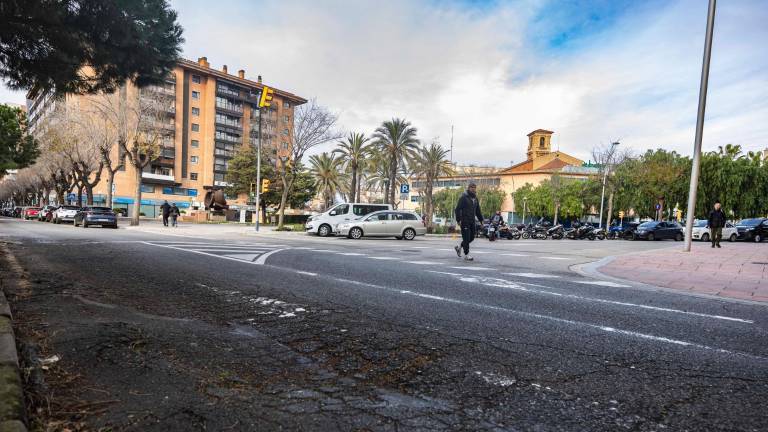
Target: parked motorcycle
(491, 232)
(557, 232)
(581, 232)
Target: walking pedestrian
(715, 223)
(166, 209)
(175, 213)
(467, 209)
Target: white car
(65, 213)
(324, 224)
(701, 232)
(398, 224)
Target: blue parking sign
(405, 188)
(71, 197)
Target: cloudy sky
(592, 71)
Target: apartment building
(209, 114)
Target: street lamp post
(696, 165)
(525, 207)
(605, 179)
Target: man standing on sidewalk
(467, 209)
(166, 209)
(716, 222)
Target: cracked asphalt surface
(172, 333)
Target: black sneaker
(458, 250)
(718, 245)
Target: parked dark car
(17, 211)
(659, 231)
(103, 216)
(753, 229)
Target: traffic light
(266, 97)
(264, 185)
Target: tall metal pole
(696, 165)
(258, 172)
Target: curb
(591, 270)
(12, 406)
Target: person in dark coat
(175, 213)
(715, 223)
(166, 208)
(467, 209)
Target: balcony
(149, 177)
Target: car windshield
(69, 207)
(648, 224)
(101, 209)
(700, 223)
(750, 222)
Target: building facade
(541, 164)
(208, 114)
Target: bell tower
(539, 143)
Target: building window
(196, 79)
(285, 132)
(193, 159)
(286, 105)
(195, 111)
(541, 142)
(285, 146)
(193, 176)
(195, 127)
(147, 188)
(195, 94)
(286, 119)
(218, 177)
(228, 120)
(195, 143)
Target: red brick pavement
(737, 270)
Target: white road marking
(445, 273)
(603, 283)
(602, 328)
(244, 257)
(423, 262)
(515, 254)
(532, 275)
(306, 273)
(263, 258)
(472, 268)
(384, 258)
(322, 250)
(231, 250)
(555, 258)
(420, 247)
(350, 253)
(480, 252)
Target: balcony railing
(153, 176)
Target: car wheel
(678, 237)
(355, 233)
(651, 237)
(409, 234)
(705, 237)
(324, 230)
(758, 238)
(732, 238)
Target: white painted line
(603, 283)
(244, 257)
(322, 250)
(555, 258)
(420, 247)
(206, 253)
(532, 275)
(306, 273)
(350, 253)
(384, 258)
(263, 258)
(471, 268)
(515, 254)
(480, 252)
(230, 250)
(606, 329)
(423, 262)
(445, 273)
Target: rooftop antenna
(451, 144)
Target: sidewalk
(737, 270)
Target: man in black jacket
(467, 209)
(166, 209)
(715, 223)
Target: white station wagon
(388, 223)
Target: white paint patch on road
(603, 283)
(244, 257)
(423, 262)
(306, 273)
(532, 275)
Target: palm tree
(396, 139)
(429, 164)
(354, 151)
(731, 151)
(326, 168)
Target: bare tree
(103, 131)
(608, 157)
(313, 125)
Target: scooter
(557, 232)
(491, 233)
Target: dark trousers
(467, 235)
(174, 218)
(717, 235)
(165, 220)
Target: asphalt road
(178, 330)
